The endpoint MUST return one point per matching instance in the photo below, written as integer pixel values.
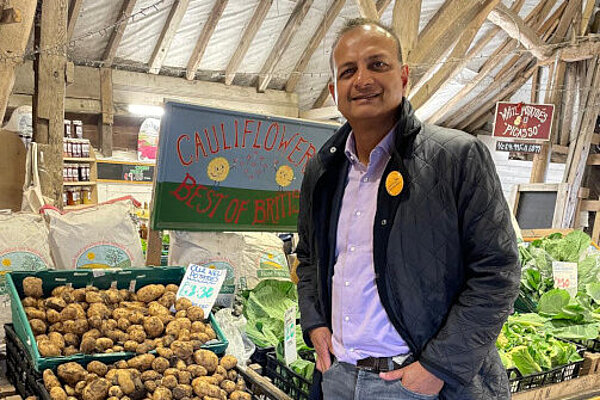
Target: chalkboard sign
(222, 170)
(118, 171)
(536, 210)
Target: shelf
(79, 206)
(82, 183)
(79, 159)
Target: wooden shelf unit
(92, 182)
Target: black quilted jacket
(445, 254)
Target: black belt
(383, 364)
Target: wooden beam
(166, 36)
(586, 16)
(450, 69)
(405, 22)
(593, 159)
(321, 113)
(367, 9)
(381, 6)
(569, 109)
(117, 34)
(330, 16)
(516, 28)
(590, 205)
(207, 32)
(13, 40)
(283, 41)
(260, 12)
(49, 102)
(566, 20)
(596, 139)
(74, 9)
(580, 51)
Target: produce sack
(102, 236)
(248, 257)
(23, 247)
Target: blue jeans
(343, 381)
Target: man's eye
(379, 64)
(346, 72)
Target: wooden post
(154, 248)
(13, 41)
(105, 123)
(49, 97)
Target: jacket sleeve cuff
(441, 373)
(306, 336)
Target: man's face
(368, 77)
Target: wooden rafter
(587, 15)
(516, 28)
(207, 31)
(381, 7)
(166, 36)
(285, 37)
(458, 52)
(253, 26)
(117, 34)
(74, 8)
(330, 16)
(367, 9)
(405, 21)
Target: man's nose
(363, 77)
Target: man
(408, 260)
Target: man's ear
(332, 92)
(405, 73)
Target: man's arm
(492, 271)
(308, 296)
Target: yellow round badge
(394, 183)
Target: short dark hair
(358, 22)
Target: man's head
(368, 74)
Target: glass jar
(68, 130)
(76, 195)
(78, 129)
(70, 196)
(69, 148)
(65, 197)
(65, 173)
(85, 145)
(86, 195)
(65, 148)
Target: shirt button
(332, 150)
(384, 222)
(357, 213)
(351, 349)
(347, 319)
(347, 283)
(352, 248)
(365, 179)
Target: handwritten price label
(201, 285)
(289, 329)
(565, 276)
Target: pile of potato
(89, 320)
(199, 376)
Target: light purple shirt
(361, 327)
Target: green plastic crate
(102, 279)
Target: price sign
(565, 276)
(201, 285)
(289, 349)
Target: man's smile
(367, 96)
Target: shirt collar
(385, 145)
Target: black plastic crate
(563, 373)
(260, 355)
(283, 377)
(19, 368)
(591, 345)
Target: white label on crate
(201, 285)
(132, 285)
(289, 331)
(113, 285)
(98, 273)
(565, 276)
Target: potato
(179, 364)
(57, 339)
(184, 377)
(92, 296)
(203, 388)
(162, 393)
(232, 375)
(210, 332)
(169, 382)
(197, 370)
(93, 333)
(182, 390)
(123, 323)
(184, 335)
(88, 345)
(80, 386)
(32, 287)
(130, 345)
(173, 288)
(240, 384)
(57, 327)
(150, 293)
(50, 380)
(150, 375)
(68, 296)
(97, 367)
(150, 386)
(228, 362)
(70, 350)
(41, 338)
(143, 348)
(171, 371)
(99, 309)
(182, 349)
(57, 291)
(118, 348)
(38, 326)
(79, 295)
(121, 312)
(153, 326)
(53, 316)
(49, 349)
(56, 303)
(198, 327)
(207, 359)
(173, 328)
(228, 386)
(136, 317)
(180, 314)
(96, 321)
(183, 304)
(239, 395)
(166, 318)
(70, 391)
(160, 364)
(164, 352)
(29, 302)
(167, 300)
(139, 335)
(108, 325)
(71, 373)
(58, 393)
(122, 364)
(35, 313)
(113, 296)
(126, 381)
(141, 363)
(96, 390)
(209, 379)
(155, 308)
(195, 313)
(115, 391)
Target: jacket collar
(407, 127)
